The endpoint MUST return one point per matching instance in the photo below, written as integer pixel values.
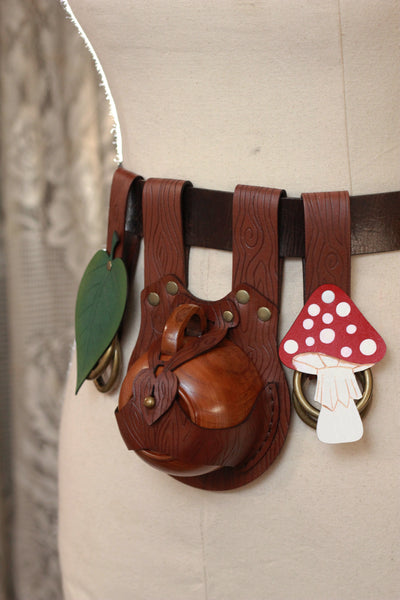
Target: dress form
(265, 93)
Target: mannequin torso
(289, 95)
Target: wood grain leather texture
(219, 404)
(327, 225)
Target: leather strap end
(119, 195)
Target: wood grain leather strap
(165, 254)
(256, 268)
(121, 185)
(162, 230)
(255, 239)
(327, 240)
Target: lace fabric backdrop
(57, 156)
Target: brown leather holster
(242, 326)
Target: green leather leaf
(99, 309)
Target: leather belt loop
(327, 241)
(162, 230)
(255, 239)
(119, 195)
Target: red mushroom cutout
(331, 339)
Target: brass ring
(102, 385)
(309, 414)
(103, 362)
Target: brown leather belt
(375, 221)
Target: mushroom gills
(336, 385)
(339, 420)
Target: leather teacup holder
(204, 398)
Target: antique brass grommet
(242, 296)
(172, 288)
(264, 314)
(105, 385)
(228, 316)
(153, 298)
(309, 413)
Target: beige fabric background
(303, 95)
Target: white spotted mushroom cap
(330, 324)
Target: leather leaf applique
(161, 390)
(99, 308)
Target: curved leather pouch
(228, 443)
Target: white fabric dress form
(300, 95)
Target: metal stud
(172, 288)
(153, 298)
(263, 313)
(227, 316)
(242, 296)
(149, 402)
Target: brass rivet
(242, 296)
(263, 313)
(109, 265)
(149, 402)
(227, 316)
(172, 288)
(153, 299)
